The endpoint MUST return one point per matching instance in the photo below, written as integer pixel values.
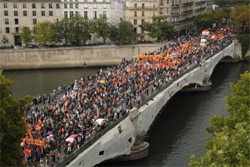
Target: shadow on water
(180, 129)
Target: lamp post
(84, 66)
(133, 48)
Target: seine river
(178, 132)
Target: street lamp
(84, 66)
(133, 48)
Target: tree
(229, 143)
(79, 30)
(12, 125)
(58, 32)
(126, 33)
(114, 33)
(26, 35)
(5, 40)
(225, 3)
(62, 31)
(204, 20)
(43, 33)
(101, 27)
(159, 28)
(240, 16)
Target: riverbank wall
(71, 57)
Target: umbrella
(102, 81)
(71, 138)
(99, 121)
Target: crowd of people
(108, 95)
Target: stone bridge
(123, 140)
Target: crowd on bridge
(83, 109)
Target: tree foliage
(12, 125)
(159, 28)
(225, 3)
(43, 33)
(240, 16)
(26, 35)
(101, 27)
(204, 20)
(229, 143)
(79, 30)
(5, 40)
(123, 34)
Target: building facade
(15, 14)
(178, 12)
(139, 11)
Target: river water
(178, 132)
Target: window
(95, 14)
(7, 29)
(71, 14)
(24, 13)
(14, 5)
(50, 6)
(58, 6)
(71, 6)
(142, 13)
(34, 13)
(6, 13)
(24, 5)
(135, 21)
(65, 6)
(5, 5)
(15, 13)
(42, 6)
(161, 11)
(142, 20)
(135, 13)
(6, 21)
(17, 29)
(101, 153)
(34, 29)
(135, 5)
(16, 21)
(76, 6)
(135, 30)
(85, 14)
(50, 13)
(167, 1)
(34, 21)
(65, 14)
(104, 14)
(143, 6)
(42, 13)
(33, 5)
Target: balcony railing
(199, 3)
(200, 9)
(187, 3)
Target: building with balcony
(15, 14)
(138, 11)
(178, 12)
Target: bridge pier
(206, 86)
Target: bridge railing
(72, 156)
(164, 86)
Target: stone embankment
(71, 57)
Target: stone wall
(70, 57)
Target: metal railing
(73, 155)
